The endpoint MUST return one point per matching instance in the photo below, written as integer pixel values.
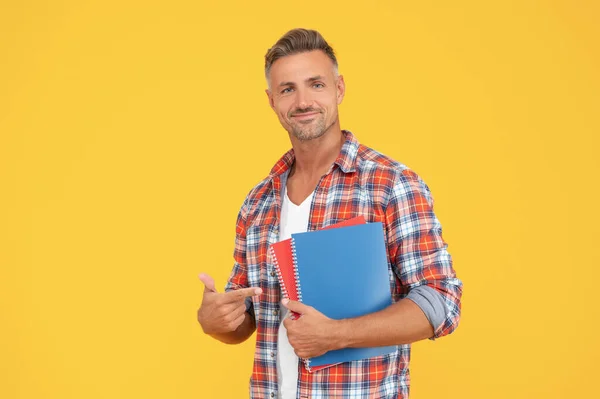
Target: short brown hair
(298, 41)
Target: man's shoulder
(258, 191)
(376, 164)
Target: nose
(303, 99)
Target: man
(325, 178)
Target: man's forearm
(242, 333)
(401, 323)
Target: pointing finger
(242, 293)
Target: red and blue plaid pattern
(360, 182)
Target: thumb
(296, 306)
(209, 282)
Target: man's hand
(312, 334)
(222, 312)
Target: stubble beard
(310, 131)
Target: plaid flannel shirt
(360, 182)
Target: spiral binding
(307, 365)
(296, 274)
(299, 290)
(284, 292)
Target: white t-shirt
(294, 219)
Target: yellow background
(130, 133)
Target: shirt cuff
(431, 303)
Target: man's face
(305, 93)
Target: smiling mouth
(307, 115)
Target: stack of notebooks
(342, 272)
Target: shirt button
(272, 354)
(272, 394)
(275, 312)
(273, 274)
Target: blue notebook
(343, 273)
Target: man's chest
(329, 204)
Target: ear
(270, 96)
(341, 89)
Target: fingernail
(285, 301)
(258, 291)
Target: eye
(319, 85)
(286, 90)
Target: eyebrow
(311, 79)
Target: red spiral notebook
(284, 266)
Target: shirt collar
(346, 160)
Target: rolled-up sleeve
(418, 253)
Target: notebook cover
(343, 273)
(284, 266)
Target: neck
(314, 157)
